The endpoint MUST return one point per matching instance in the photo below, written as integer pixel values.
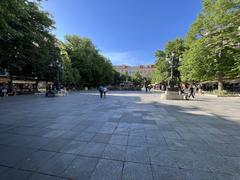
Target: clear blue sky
(126, 31)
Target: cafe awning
(23, 82)
(4, 79)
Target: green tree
(68, 77)
(211, 43)
(27, 46)
(137, 79)
(92, 67)
(161, 74)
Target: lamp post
(57, 64)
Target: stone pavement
(128, 136)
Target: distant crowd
(7, 90)
(189, 90)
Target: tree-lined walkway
(125, 136)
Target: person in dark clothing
(191, 92)
(101, 89)
(150, 87)
(146, 87)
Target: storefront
(24, 86)
(4, 81)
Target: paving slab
(128, 135)
(81, 168)
(108, 170)
(135, 171)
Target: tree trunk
(47, 87)
(220, 82)
(36, 86)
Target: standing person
(191, 91)
(150, 87)
(200, 89)
(146, 88)
(105, 91)
(4, 91)
(101, 91)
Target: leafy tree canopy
(212, 42)
(27, 46)
(92, 68)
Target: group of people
(7, 91)
(188, 90)
(148, 87)
(103, 91)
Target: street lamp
(57, 64)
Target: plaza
(127, 135)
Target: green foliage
(69, 74)
(84, 64)
(211, 42)
(137, 79)
(26, 45)
(176, 46)
(162, 72)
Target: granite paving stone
(115, 152)
(55, 145)
(167, 173)
(128, 135)
(10, 155)
(135, 171)
(73, 147)
(12, 174)
(81, 168)
(162, 156)
(101, 138)
(191, 160)
(137, 141)
(37, 176)
(2, 169)
(137, 154)
(85, 136)
(93, 150)
(178, 144)
(119, 139)
(35, 160)
(108, 170)
(57, 164)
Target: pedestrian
(4, 91)
(150, 87)
(183, 90)
(146, 87)
(105, 89)
(191, 91)
(101, 91)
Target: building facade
(144, 70)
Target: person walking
(105, 89)
(191, 91)
(101, 89)
(150, 87)
(146, 88)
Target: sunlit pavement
(130, 135)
